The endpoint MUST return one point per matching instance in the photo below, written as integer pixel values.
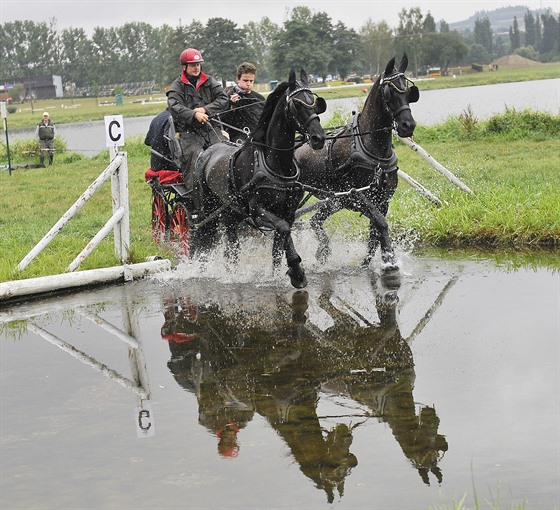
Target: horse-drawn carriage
(263, 181)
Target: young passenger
(246, 105)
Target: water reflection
(42, 322)
(246, 359)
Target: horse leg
(204, 239)
(378, 235)
(283, 242)
(232, 244)
(317, 221)
(295, 271)
(277, 250)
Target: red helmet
(191, 56)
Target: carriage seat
(164, 176)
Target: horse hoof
(297, 278)
(389, 261)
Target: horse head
(303, 107)
(397, 92)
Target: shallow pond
(363, 391)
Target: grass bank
(67, 110)
(509, 161)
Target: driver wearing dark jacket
(192, 99)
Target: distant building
(44, 87)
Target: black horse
(259, 182)
(357, 169)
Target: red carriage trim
(179, 338)
(164, 176)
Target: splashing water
(255, 260)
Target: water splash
(255, 260)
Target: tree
(75, 46)
(105, 58)
(550, 36)
(483, 33)
(478, 54)
(224, 48)
(514, 37)
(259, 37)
(530, 30)
(138, 53)
(323, 41)
(298, 45)
(444, 49)
(376, 39)
(443, 26)
(409, 34)
(345, 50)
(429, 24)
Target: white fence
(119, 221)
(117, 171)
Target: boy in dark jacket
(246, 104)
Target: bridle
(290, 98)
(391, 82)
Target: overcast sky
(88, 14)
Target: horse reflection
(275, 363)
(385, 380)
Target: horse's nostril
(317, 140)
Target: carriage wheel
(179, 231)
(159, 217)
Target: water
(351, 394)
(433, 107)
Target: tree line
(139, 52)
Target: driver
(192, 99)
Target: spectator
(45, 132)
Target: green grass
(513, 173)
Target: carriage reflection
(279, 363)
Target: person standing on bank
(45, 132)
(192, 99)
(246, 105)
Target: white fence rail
(117, 171)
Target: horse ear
(292, 79)
(390, 67)
(404, 63)
(303, 77)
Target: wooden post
(436, 165)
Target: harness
(264, 178)
(360, 157)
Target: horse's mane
(259, 133)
